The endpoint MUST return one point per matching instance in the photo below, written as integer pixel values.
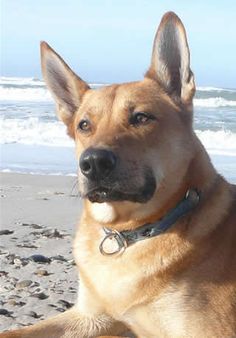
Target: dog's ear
(65, 86)
(170, 64)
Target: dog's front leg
(87, 319)
(70, 324)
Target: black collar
(128, 237)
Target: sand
(38, 219)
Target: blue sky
(111, 41)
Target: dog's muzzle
(104, 182)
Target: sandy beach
(38, 278)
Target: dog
(156, 244)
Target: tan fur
(179, 284)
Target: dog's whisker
(75, 186)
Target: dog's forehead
(98, 99)
(124, 96)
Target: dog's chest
(118, 284)
(120, 288)
(112, 277)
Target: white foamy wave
(26, 172)
(39, 94)
(215, 89)
(218, 142)
(31, 81)
(35, 93)
(19, 81)
(33, 131)
(214, 102)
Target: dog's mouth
(101, 194)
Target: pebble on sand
(40, 295)
(6, 232)
(15, 302)
(34, 314)
(65, 303)
(53, 233)
(40, 259)
(23, 284)
(32, 225)
(41, 272)
(5, 312)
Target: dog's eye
(141, 118)
(84, 125)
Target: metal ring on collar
(121, 241)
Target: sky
(111, 41)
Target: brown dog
(138, 156)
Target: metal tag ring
(121, 241)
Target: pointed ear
(65, 86)
(170, 64)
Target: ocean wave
(34, 131)
(214, 102)
(35, 93)
(32, 81)
(215, 89)
(221, 142)
(21, 81)
(37, 172)
(25, 94)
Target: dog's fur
(183, 282)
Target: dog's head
(132, 139)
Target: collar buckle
(113, 235)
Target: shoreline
(38, 278)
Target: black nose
(96, 164)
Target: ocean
(32, 140)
